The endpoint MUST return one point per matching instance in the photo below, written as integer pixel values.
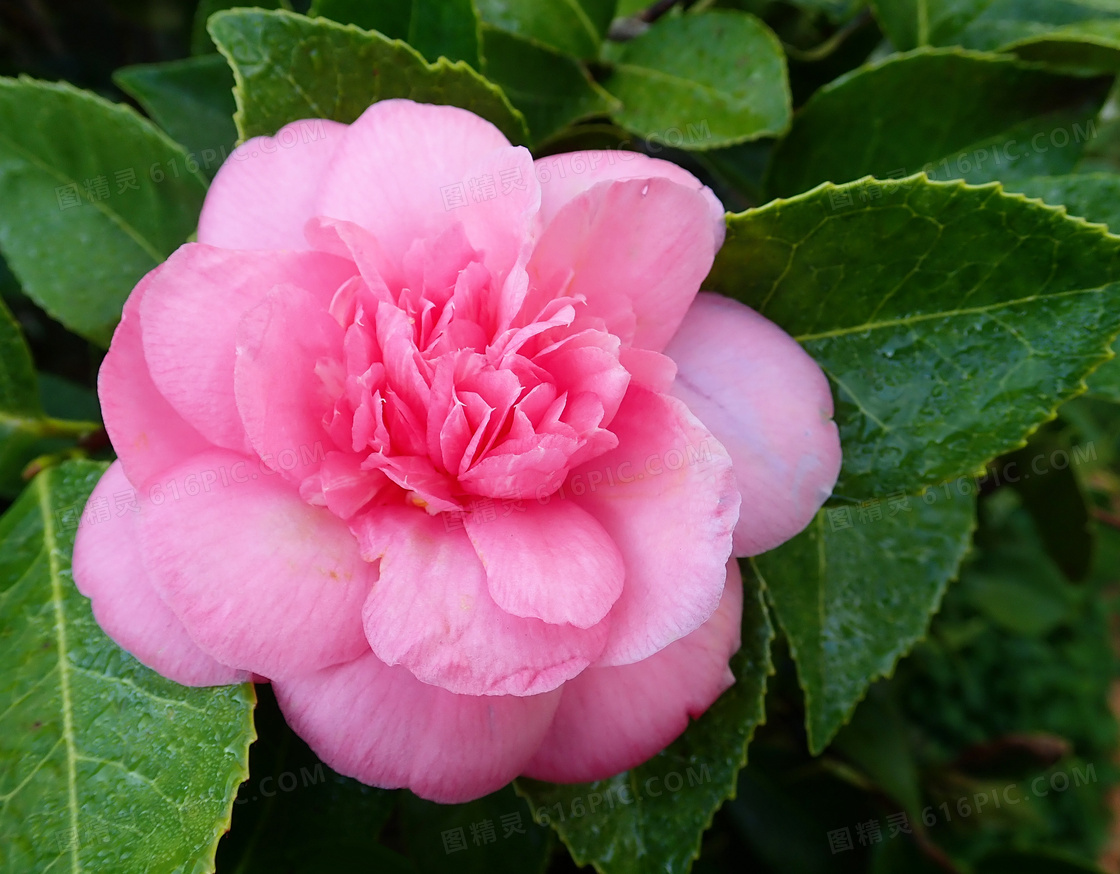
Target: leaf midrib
(50, 544)
(905, 321)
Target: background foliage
(928, 676)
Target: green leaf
(877, 741)
(951, 319)
(650, 820)
(551, 89)
(492, 835)
(107, 765)
(724, 70)
(83, 219)
(20, 412)
(574, 27)
(296, 815)
(289, 67)
(201, 44)
(435, 28)
(1042, 473)
(1095, 197)
(854, 592)
(1073, 33)
(947, 112)
(191, 99)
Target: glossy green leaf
(289, 67)
(723, 71)
(856, 589)
(1095, 197)
(950, 319)
(650, 820)
(191, 99)
(84, 217)
(435, 28)
(495, 834)
(108, 766)
(948, 112)
(574, 27)
(296, 815)
(1070, 32)
(551, 89)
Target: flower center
(435, 399)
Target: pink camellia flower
(447, 446)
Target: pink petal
(260, 579)
(769, 403)
(636, 250)
(265, 192)
(108, 570)
(382, 726)
(431, 612)
(147, 434)
(190, 313)
(280, 396)
(554, 563)
(600, 166)
(402, 167)
(667, 498)
(612, 719)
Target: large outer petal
(611, 719)
(109, 571)
(581, 170)
(190, 314)
(667, 497)
(637, 250)
(266, 191)
(260, 579)
(382, 726)
(280, 396)
(147, 434)
(431, 612)
(769, 403)
(404, 172)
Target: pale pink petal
(382, 726)
(147, 434)
(431, 612)
(280, 395)
(259, 578)
(769, 404)
(564, 177)
(190, 314)
(667, 497)
(636, 250)
(612, 719)
(552, 562)
(403, 169)
(108, 570)
(266, 190)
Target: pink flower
(446, 446)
